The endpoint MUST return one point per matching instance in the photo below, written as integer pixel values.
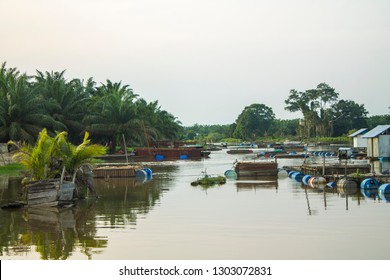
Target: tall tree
(314, 104)
(255, 120)
(346, 115)
(65, 101)
(114, 114)
(23, 113)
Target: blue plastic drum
(159, 157)
(149, 173)
(384, 192)
(291, 173)
(305, 180)
(297, 176)
(369, 183)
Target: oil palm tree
(23, 113)
(65, 101)
(114, 114)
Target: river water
(167, 218)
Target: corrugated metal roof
(360, 131)
(376, 131)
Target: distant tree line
(324, 115)
(108, 111)
(111, 111)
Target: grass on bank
(12, 169)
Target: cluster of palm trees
(109, 112)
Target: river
(167, 218)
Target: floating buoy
(291, 173)
(384, 188)
(369, 193)
(282, 172)
(317, 182)
(369, 183)
(305, 180)
(347, 186)
(384, 192)
(297, 176)
(230, 174)
(141, 175)
(149, 173)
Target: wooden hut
(378, 148)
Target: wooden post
(124, 143)
(323, 167)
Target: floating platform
(256, 169)
(116, 170)
(170, 153)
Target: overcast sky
(205, 60)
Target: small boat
(239, 151)
(256, 168)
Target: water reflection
(55, 233)
(245, 184)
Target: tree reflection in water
(56, 233)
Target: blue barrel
(291, 173)
(369, 183)
(230, 174)
(328, 154)
(305, 180)
(159, 157)
(384, 189)
(369, 193)
(183, 157)
(384, 192)
(297, 176)
(149, 173)
(141, 175)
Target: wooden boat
(239, 151)
(256, 169)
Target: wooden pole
(124, 143)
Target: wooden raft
(256, 169)
(115, 171)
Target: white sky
(205, 60)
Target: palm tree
(74, 157)
(23, 113)
(50, 155)
(114, 114)
(65, 101)
(37, 158)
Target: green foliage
(12, 169)
(50, 155)
(48, 100)
(255, 120)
